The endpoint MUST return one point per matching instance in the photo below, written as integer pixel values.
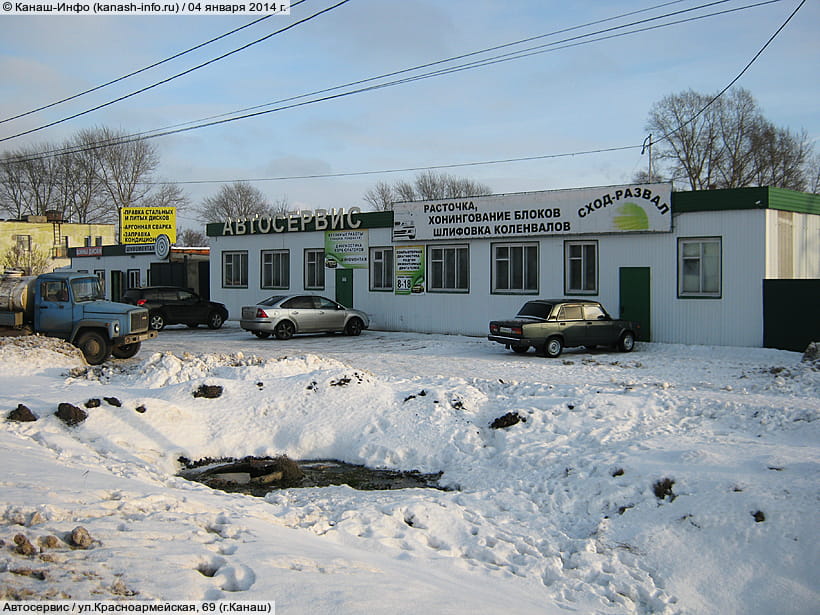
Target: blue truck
(72, 306)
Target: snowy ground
(556, 514)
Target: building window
(515, 268)
(23, 243)
(133, 278)
(314, 269)
(699, 267)
(381, 268)
(235, 269)
(275, 269)
(100, 273)
(449, 268)
(581, 267)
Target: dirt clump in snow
(21, 414)
(208, 391)
(70, 414)
(508, 420)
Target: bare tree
(192, 238)
(168, 195)
(81, 189)
(727, 143)
(380, 197)
(30, 183)
(426, 186)
(32, 262)
(124, 166)
(238, 200)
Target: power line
(520, 159)
(401, 170)
(190, 70)
(136, 72)
(738, 76)
(548, 47)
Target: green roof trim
(746, 198)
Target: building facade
(690, 267)
(39, 244)
(122, 267)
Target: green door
(344, 287)
(117, 286)
(634, 284)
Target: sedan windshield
(533, 309)
(270, 301)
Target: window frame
(433, 262)
(132, 275)
(317, 266)
(387, 269)
(242, 255)
(681, 258)
(568, 270)
(526, 275)
(283, 269)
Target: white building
(720, 267)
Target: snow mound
(29, 354)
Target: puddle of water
(258, 476)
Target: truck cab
(72, 306)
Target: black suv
(170, 305)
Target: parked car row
(548, 325)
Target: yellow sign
(145, 224)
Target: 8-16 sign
(409, 269)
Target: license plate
(504, 330)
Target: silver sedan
(286, 315)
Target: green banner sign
(346, 249)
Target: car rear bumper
(514, 341)
(257, 325)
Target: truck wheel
(126, 351)
(94, 346)
(156, 320)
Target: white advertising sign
(609, 209)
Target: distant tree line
(727, 144)
(85, 179)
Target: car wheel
(520, 349)
(126, 351)
(284, 330)
(156, 321)
(262, 335)
(94, 346)
(553, 347)
(627, 342)
(215, 320)
(354, 327)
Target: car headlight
(116, 329)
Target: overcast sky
(585, 97)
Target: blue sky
(581, 98)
